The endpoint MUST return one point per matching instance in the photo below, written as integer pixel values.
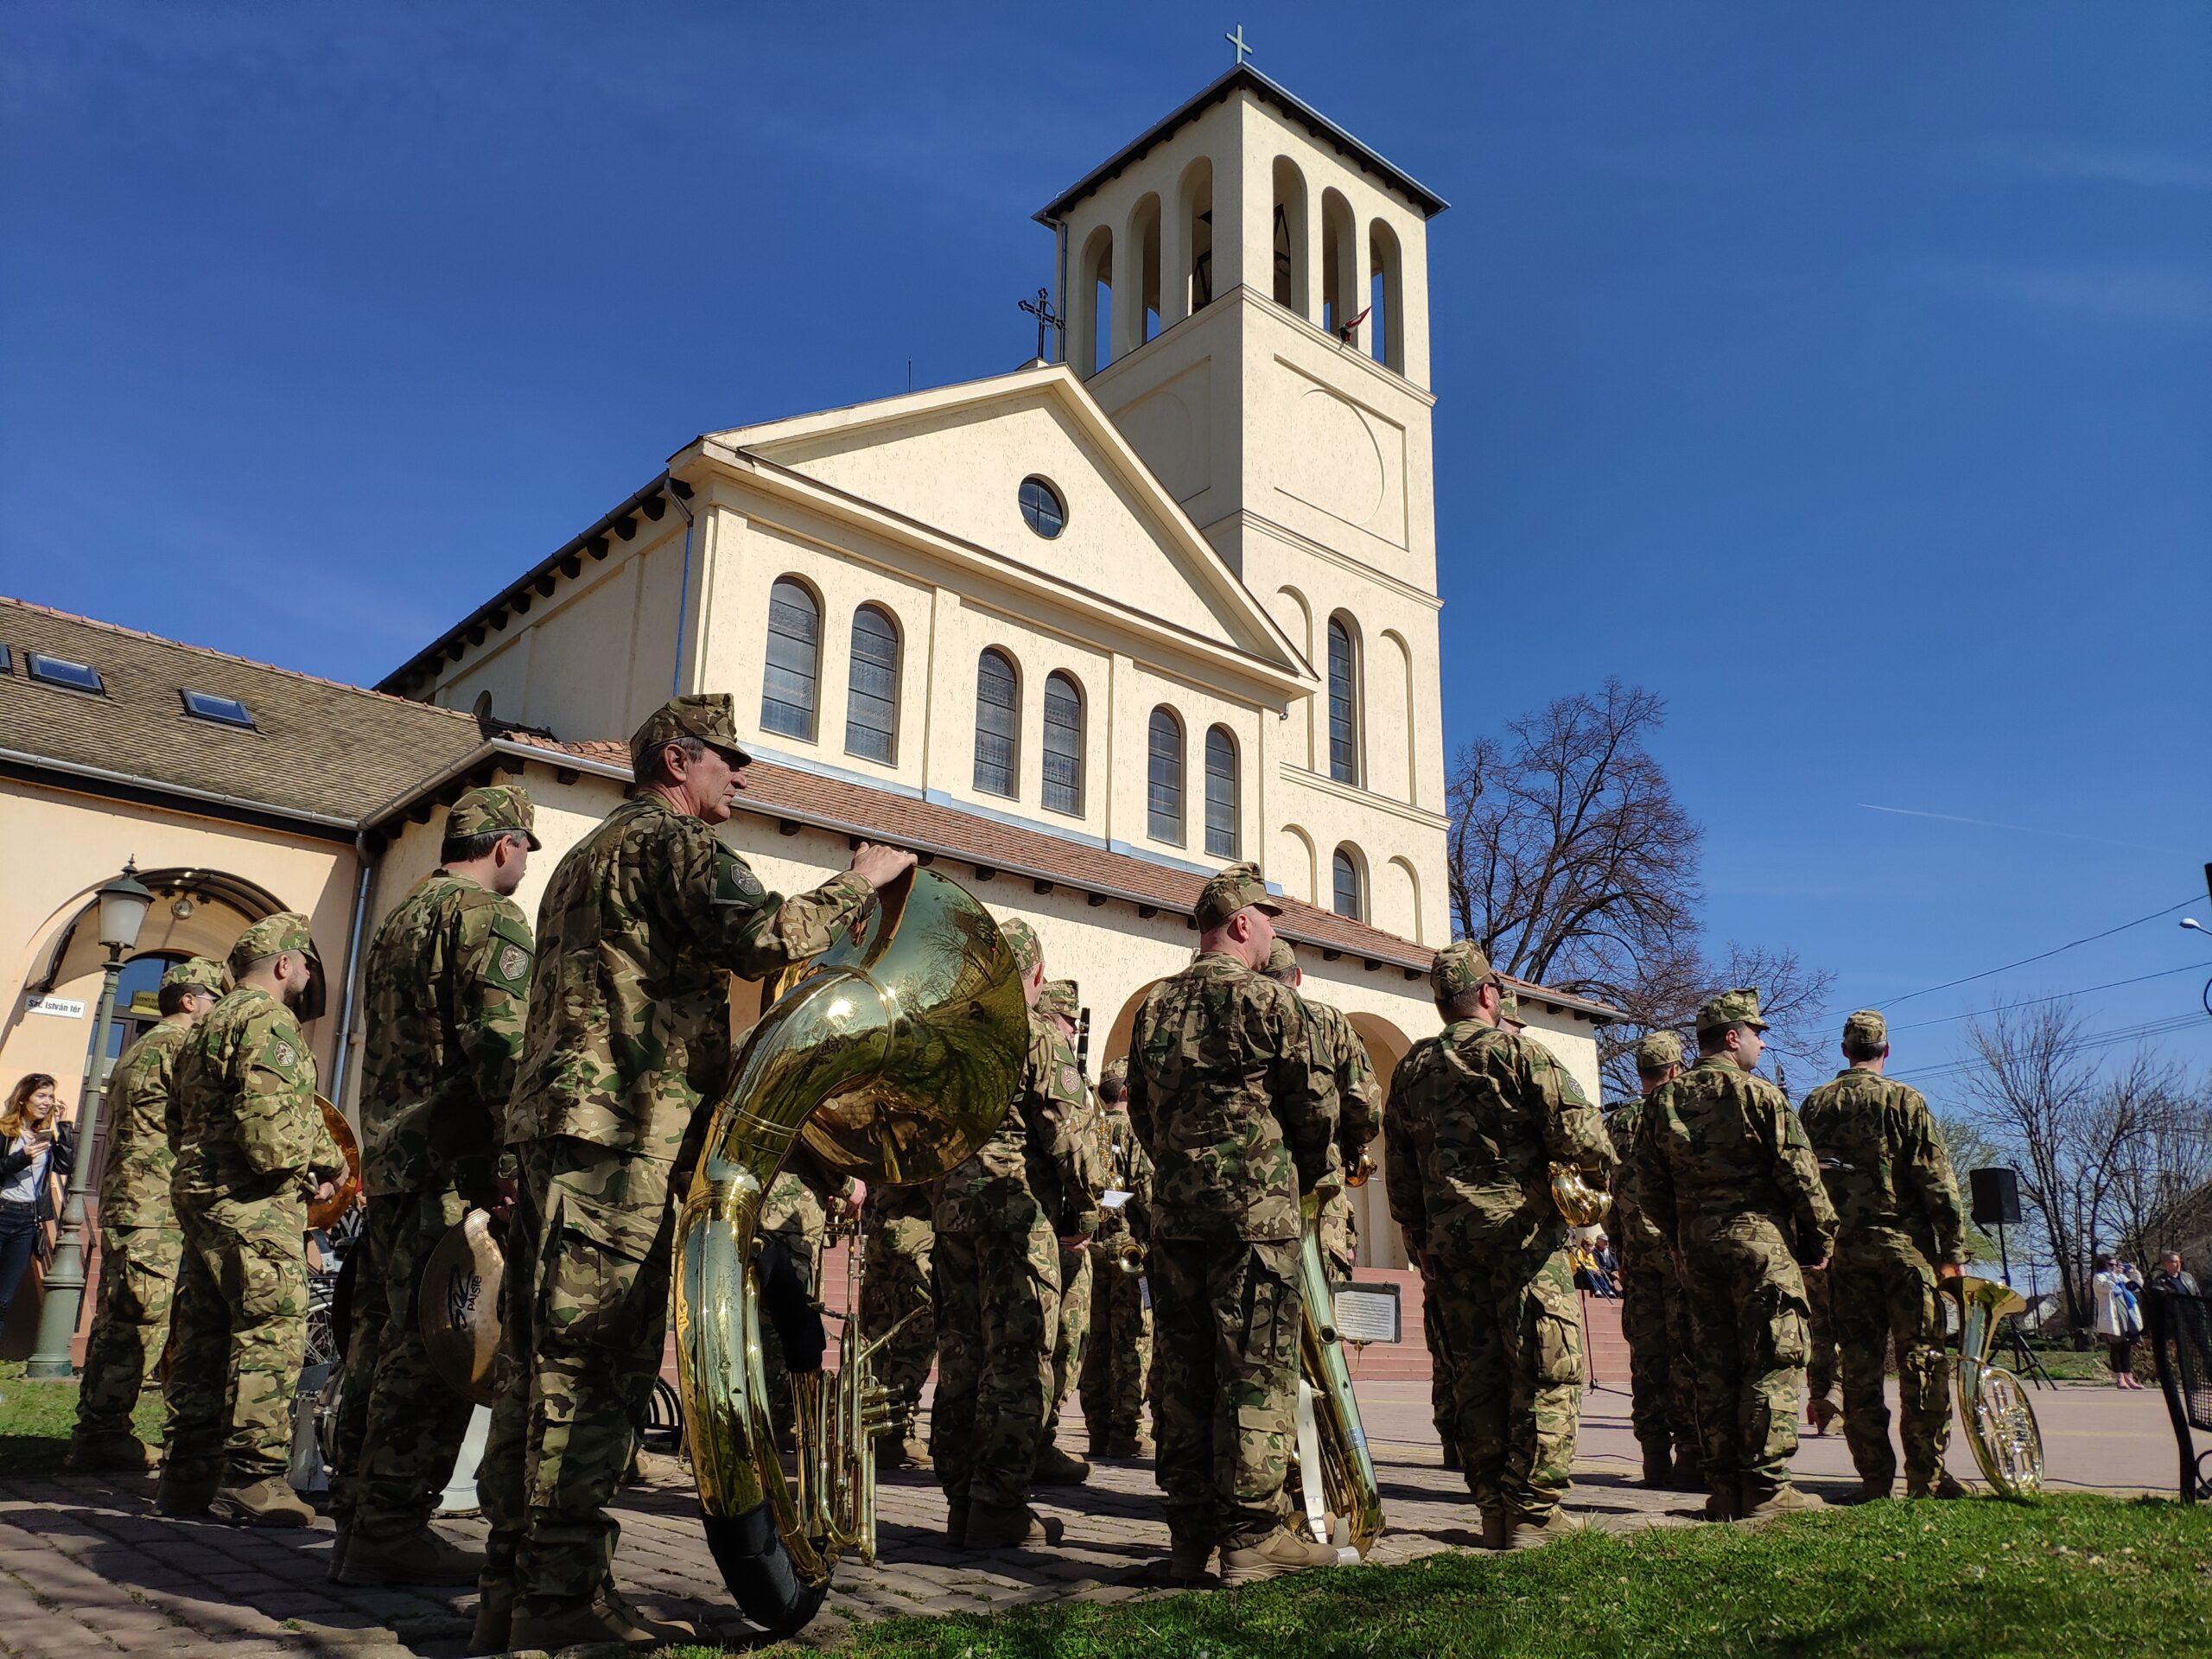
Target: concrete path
(87, 1568)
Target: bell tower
(1246, 291)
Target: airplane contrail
(2024, 829)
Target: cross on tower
(1243, 50)
(1041, 308)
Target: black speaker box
(1996, 1197)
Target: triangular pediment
(954, 459)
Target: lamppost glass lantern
(124, 904)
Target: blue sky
(1845, 374)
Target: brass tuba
(894, 1056)
(1336, 1477)
(2000, 1425)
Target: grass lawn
(2072, 1576)
(35, 1418)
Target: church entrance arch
(1380, 1245)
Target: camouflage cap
(1458, 968)
(493, 808)
(1866, 1029)
(1021, 939)
(1509, 1005)
(201, 973)
(710, 716)
(274, 935)
(1282, 959)
(1238, 887)
(1740, 1006)
(1059, 997)
(1659, 1051)
(1115, 1071)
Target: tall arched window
(998, 723)
(1164, 777)
(1221, 793)
(872, 688)
(1349, 899)
(788, 686)
(1344, 703)
(1063, 745)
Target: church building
(1079, 634)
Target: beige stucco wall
(58, 847)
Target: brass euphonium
(894, 1056)
(2000, 1425)
(1336, 1476)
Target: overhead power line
(2041, 956)
(2093, 1041)
(2057, 997)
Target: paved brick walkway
(87, 1568)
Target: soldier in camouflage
(1489, 1113)
(898, 1238)
(1061, 1003)
(1359, 1105)
(1002, 1219)
(1820, 1408)
(252, 1149)
(1662, 1382)
(1725, 1170)
(1117, 1360)
(802, 1202)
(1900, 1231)
(445, 987)
(641, 925)
(1237, 1110)
(140, 1245)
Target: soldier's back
(1205, 1049)
(416, 1025)
(1869, 1132)
(1635, 1234)
(139, 1162)
(244, 1084)
(1479, 1131)
(1717, 1143)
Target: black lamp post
(124, 904)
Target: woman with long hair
(36, 1144)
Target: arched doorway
(1380, 1244)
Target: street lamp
(123, 906)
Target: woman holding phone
(37, 1145)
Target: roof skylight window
(60, 671)
(223, 711)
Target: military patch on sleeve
(1071, 1083)
(514, 963)
(734, 882)
(282, 1055)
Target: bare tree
(1969, 1149)
(1573, 865)
(2104, 1157)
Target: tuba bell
(2001, 1424)
(1343, 1501)
(893, 1057)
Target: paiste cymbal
(459, 1311)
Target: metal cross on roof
(1243, 48)
(1041, 308)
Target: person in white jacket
(2119, 1316)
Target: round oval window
(1042, 506)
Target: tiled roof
(929, 827)
(319, 751)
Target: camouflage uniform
(1898, 1219)
(1059, 1002)
(1117, 1360)
(1489, 1113)
(445, 987)
(999, 1219)
(641, 925)
(140, 1243)
(1662, 1382)
(1726, 1172)
(1359, 1102)
(1821, 1368)
(895, 1223)
(795, 1213)
(1238, 1114)
(250, 1145)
